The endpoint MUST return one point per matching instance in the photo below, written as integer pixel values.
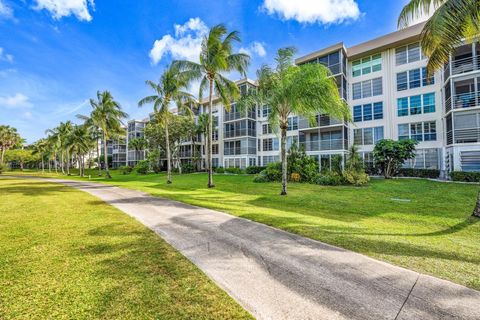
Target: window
(270, 159)
(413, 79)
(420, 131)
(292, 123)
(367, 136)
(368, 88)
(270, 144)
(266, 128)
(368, 112)
(367, 65)
(416, 105)
(402, 81)
(266, 111)
(408, 54)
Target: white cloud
(16, 101)
(255, 48)
(185, 44)
(313, 11)
(27, 115)
(65, 8)
(5, 11)
(5, 56)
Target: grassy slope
(64, 255)
(433, 233)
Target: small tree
(390, 155)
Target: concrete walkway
(277, 275)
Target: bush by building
(254, 169)
(465, 176)
(142, 167)
(419, 173)
(125, 169)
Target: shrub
(356, 177)
(219, 170)
(295, 177)
(142, 167)
(188, 168)
(299, 162)
(465, 176)
(233, 170)
(328, 179)
(337, 161)
(390, 155)
(419, 173)
(156, 167)
(125, 169)
(273, 172)
(254, 169)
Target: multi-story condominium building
(385, 83)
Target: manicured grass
(65, 256)
(418, 224)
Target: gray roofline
(391, 40)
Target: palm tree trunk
(284, 159)
(98, 160)
(3, 155)
(49, 165)
(105, 156)
(62, 163)
(167, 141)
(210, 138)
(68, 163)
(43, 165)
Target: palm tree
(305, 91)
(79, 143)
(169, 90)
(9, 138)
(216, 57)
(41, 148)
(60, 134)
(95, 137)
(452, 22)
(107, 115)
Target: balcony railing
(240, 133)
(468, 135)
(229, 116)
(324, 145)
(463, 100)
(322, 121)
(465, 65)
(239, 151)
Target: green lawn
(433, 232)
(64, 256)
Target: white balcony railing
(323, 145)
(463, 100)
(465, 65)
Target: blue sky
(55, 54)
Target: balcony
(239, 151)
(469, 135)
(320, 121)
(324, 145)
(240, 133)
(465, 65)
(463, 100)
(230, 116)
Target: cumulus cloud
(255, 48)
(185, 44)
(18, 100)
(65, 8)
(5, 56)
(313, 11)
(5, 10)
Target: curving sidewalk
(277, 275)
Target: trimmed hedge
(125, 169)
(464, 176)
(254, 169)
(419, 173)
(234, 170)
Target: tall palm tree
(60, 134)
(287, 89)
(216, 57)
(452, 22)
(9, 138)
(95, 137)
(41, 148)
(170, 89)
(107, 115)
(79, 143)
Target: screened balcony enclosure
(464, 94)
(324, 140)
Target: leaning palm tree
(452, 22)
(216, 57)
(107, 115)
(306, 91)
(170, 89)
